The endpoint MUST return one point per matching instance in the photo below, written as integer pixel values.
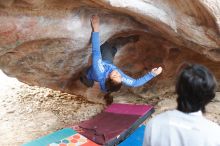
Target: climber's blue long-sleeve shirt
(100, 69)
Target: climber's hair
(195, 88)
(112, 86)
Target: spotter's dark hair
(195, 88)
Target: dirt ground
(28, 112)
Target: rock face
(47, 42)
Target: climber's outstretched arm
(96, 54)
(128, 81)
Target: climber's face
(115, 76)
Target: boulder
(47, 43)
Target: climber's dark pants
(108, 52)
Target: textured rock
(47, 43)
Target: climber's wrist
(96, 28)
